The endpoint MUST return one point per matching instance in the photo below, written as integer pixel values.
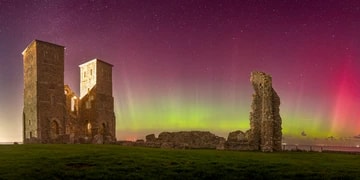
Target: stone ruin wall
(180, 140)
(265, 120)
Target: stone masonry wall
(265, 120)
(44, 98)
(97, 102)
(185, 140)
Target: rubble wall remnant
(265, 120)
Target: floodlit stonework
(97, 102)
(52, 111)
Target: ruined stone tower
(44, 100)
(265, 120)
(97, 102)
(52, 111)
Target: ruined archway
(103, 129)
(54, 129)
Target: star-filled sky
(185, 65)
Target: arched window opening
(88, 128)
(103, 129)
(73, 104)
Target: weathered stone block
(237, 136)
(150, 138)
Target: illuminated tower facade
(97, 102)
(44, 99)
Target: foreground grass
(114, 162)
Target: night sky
(185, 65)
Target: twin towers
(52, 111)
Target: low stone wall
(237, 140)
(186, 140)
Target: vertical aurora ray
(185, 108)
(124, 106)
(346, 115)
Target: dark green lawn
(114, 162)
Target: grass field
(119, 162)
